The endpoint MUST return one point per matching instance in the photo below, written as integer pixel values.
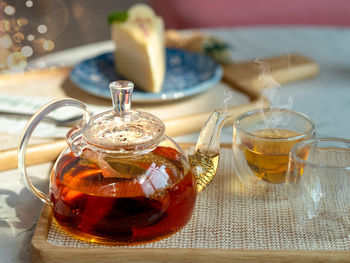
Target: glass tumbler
(318, 186)
(262, 140)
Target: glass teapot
(122, 180)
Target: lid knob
(121, 91)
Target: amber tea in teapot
(122, 181)
(93, 204)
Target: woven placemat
(227, 217)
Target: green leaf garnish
(117, 17)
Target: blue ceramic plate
(187, 74)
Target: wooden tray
(42, 251)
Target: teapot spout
(205, 159)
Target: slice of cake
(140, 51)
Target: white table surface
(326, 99)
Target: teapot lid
(122, 129)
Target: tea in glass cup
(262, 140)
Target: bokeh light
(48, 45)
(42, 29)
(18, 37)
(29, 3)
(42, 45)
(19, 33)
(27, 51)
(22, 21)
(5, 25)
(30, 37)
(5, 41)
(9, 10)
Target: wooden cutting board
(180, 117)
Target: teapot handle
(28, 130)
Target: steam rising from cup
(228, 96)
(271, 92)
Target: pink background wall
(214, 13)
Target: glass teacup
(262, 140)
(318, 186)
